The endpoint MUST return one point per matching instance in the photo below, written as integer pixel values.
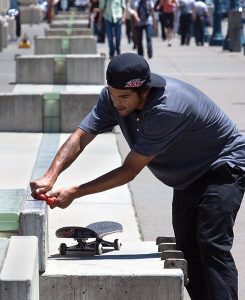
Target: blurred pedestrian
(200, 17)
(185, 21)
(113, 12)
(169, 7)
(145, 20)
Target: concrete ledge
(65, 45)
(69, 24)
(4, 242)
(11, 202)
(68, 31)
(171, 254)
(133, 272)
(19, 278)
(27, 113)
(34, 216)
(63, 69)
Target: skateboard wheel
(117, 244)
(99, 249)
(62, 248)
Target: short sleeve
(102, 117)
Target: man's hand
(64, 197)
(40, 186)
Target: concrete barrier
(134, 272)
(3, 33)
(71, 17)
(31, 14)
(19, 278)
(4, 242)
(45, 113)
(65, 45)
(68, 31)
(63, 69)
(34, 215)
(69, 24)
(11, 202)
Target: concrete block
(11, 202)
(11, 27)
(71, 17)
(27, 2)
(34, 215)
(67, 69)
(74, 107)
(20, 112)
(165, 239)
(89, 69)
(166, 246)
(31, 14)
(173, 263)
(69, 24)
(65, 45)
(68, 31)
(3, 33)
(34, 222)
(34, 69)
(4, 6)
(171, 254)
(4, 242)
(19, 278)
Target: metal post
(217, 36)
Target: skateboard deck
(83, 235)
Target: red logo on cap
(134, 83)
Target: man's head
(131, 71)
(129, 79)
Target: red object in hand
(49, 200)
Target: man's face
(126, 101)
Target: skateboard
(90, 238)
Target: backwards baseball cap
(129, 70)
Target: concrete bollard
(166, 246)
(19, 278)
(31, 14)
(173, 263)
(65, 45)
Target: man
(189, 144)
(113, 12)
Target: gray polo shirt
(185, 130)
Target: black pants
(203, 220)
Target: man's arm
(131, 167)
(66, 155)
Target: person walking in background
(200, 17)
(94, 13)
(158, 8)
(169, 7)
(114, 15)
(185, 23)
(144, 15)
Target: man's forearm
(114, 178)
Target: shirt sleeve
(159, 131)
(102, 117)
